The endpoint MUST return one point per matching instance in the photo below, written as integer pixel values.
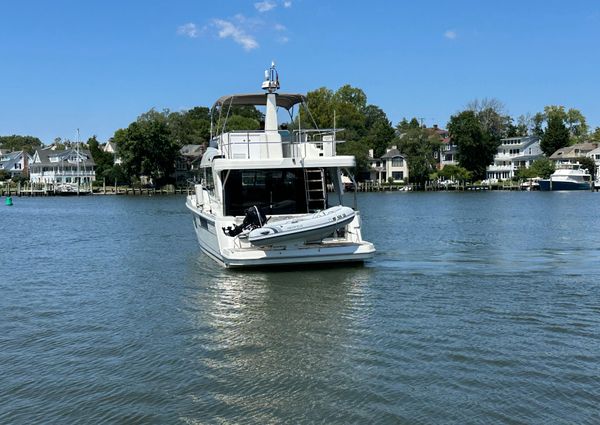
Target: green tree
(352, 96)
(239, 118)
(588, 164)
(492, 115)
(542, 167)
(147, 147)
(20, 143)
(321, 106)
(190, 127)
(103, 160)
(454, 172)
(538, 122)
(595, 136)
(380, 133)
(357, 149)
(418, 145)
(115, 175)
(577, 125)
(238, 122)
(475, 146)
(405, 125)
(572, 119)
(555, 136)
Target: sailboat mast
(77, 159)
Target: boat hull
(232, 252)
(555, 185)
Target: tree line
(150, 145)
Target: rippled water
(478, 308)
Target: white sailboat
(263, 197)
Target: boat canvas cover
(284, 100)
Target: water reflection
(285, 332)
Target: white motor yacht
(263, 196)
(568, 176)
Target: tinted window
(278, 191)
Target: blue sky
(97, 65)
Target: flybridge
(272, 142)
(298, 144)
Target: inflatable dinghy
(309, 228)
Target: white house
(111, 147)
(62, 166)
(16, 163)
(514, 153)
(595, 155)
(392, 164)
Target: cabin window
(277, 191)
(208, 182)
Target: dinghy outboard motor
(254, 219)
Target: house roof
(524, 140)
(595, 151)
(575, 151)
(192, 150)
(9, 159)
(110, 147)
(45, 156)
(392, 153)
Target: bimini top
(285, 100)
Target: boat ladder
(316, 191)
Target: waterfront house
(595, 155)
(189, 155)
(111, 147)
(571, 154)
(62, 166)
(392, 164)
(15, 164)
(514, 153)
(448, 150)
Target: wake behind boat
(263, 197)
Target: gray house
(15, 164)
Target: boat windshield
(276, 191)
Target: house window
(398, 175)
(397, 162)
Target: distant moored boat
(567, 177)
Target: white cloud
(227, 29)
(264, 6)
(283, 40)
(188, 30)
(279, 27)
(287, 3)
(450, 34)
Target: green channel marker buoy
(9, 201)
